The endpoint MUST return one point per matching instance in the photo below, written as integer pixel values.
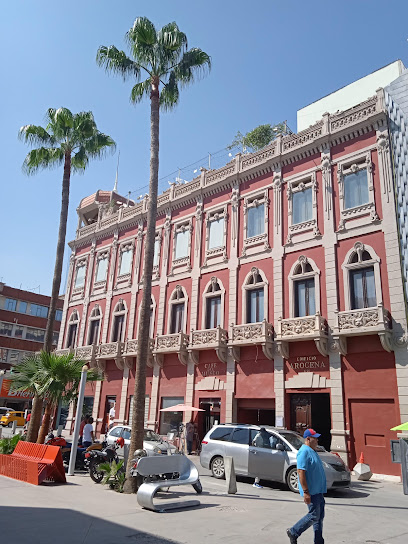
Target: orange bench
(33, 463)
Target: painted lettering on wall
(308, 362)
(210, 369)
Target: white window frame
(208, 293)
(129, 245)
(249, 287)
(156, 267)
(250, 201)
(296, 184)
(221, 250)
(116, 313)
(182, 226)
(355, 162)
(178, 296)
(347, 267)
(293, 278)
(104, 254)
(95, 315)
(74, 319)
(81, 262)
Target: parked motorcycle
(66, 446)
(94, 458)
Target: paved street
(82, 512)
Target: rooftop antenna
(115, 188)
(209, 161)
(128, 199)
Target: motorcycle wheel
(198, 488)
(95, 474)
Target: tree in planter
(50, 377)
(162, 56)
(259, 137)
(70, 140)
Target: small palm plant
(114, 475)
(8, 445)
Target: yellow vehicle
(9, 417)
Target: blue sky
(270, 58)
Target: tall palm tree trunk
(37, 406)
(59, 258)
(136, 441)
(45, 424)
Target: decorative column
(154, 399)
(134, 282)
(87, 293)
(109, 292)
(123, 397)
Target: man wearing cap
(312, 485)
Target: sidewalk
(84, 512)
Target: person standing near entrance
(312, 485)
(190, 436)
(112, 416)
(88, 436)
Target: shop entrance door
(211, 415)
(311, 410)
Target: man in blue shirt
(312, 485)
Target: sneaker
(258, 486)
(292, 538)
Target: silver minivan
(275, 460)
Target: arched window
(72, 329)
(177, 311)
(304, 289)
(213, 305)
(119, 321)
(255, 297)
(94, 326)
(362, 283)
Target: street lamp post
(80, 403)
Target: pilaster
(123, 397)
(154, 398)
(109, 293)
(66, 301)
(97, 400)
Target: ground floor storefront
(351, 399)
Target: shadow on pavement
(39, 525)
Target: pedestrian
(190, 436)
(81, 428)
(112, 417)
(88, 433)
(261, 440)
(312, 485)
(27, 421)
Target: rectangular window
(177, 315)
(94, 332)
(3, 355)
(255, 302)
(181, 241)
(71, 335)
(156, 258)
(39, 311)
(58, 315)
(55, 338)
(37, 335)
(118, 326)
(213, 312)
(22, 307)
(256, 220)
(356, 189)
(6, 329)
(18, 332)
(170, 421)
(14, 356)
(216, 238)
(126, 262)
(362, 286)
(102, 269)
(11, 304)
(302, 206)
(80, 277)
(305, 298)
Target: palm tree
(51, 377)
(163, 56)
(70, 140)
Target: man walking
(312, 485)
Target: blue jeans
(314, 517)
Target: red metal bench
(33, 463)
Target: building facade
(23, 319)
(277, 291)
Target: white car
(152, 442)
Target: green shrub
(7, 445)
(114, 476)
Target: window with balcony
(362, 284)
(255, 297)
(356, 189)
(177, 313)
(94, 326)
(101, 268)
(305, 298)
(72, 329)
(213, 305)
(302, 206)
(304, 288)
(80, 276)
(119, 321)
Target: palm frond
(194, 62)
(143, 32)
(141, 90)
(116, 61)
(34, 135)
(169, 95)
(42, 157)
(59, 122)
(171, 37)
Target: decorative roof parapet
(252, 164)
